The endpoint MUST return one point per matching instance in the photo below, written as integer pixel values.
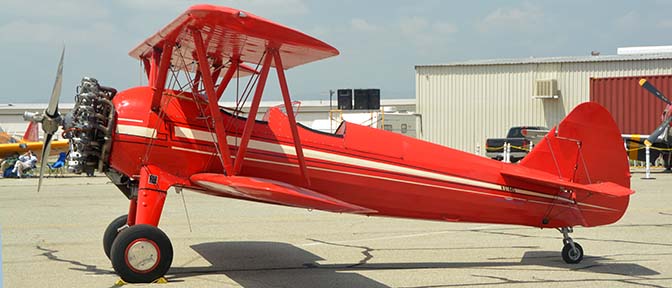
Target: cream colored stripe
(191, 150)
(195, 134)
(537, 194)
(130, 120)
(309, 153)
(436, 186)
(136, 131)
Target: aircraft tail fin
(585, 148)
(584, 156)
(32, 133)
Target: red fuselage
(390, 173)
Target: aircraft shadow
(263, 264)
(269, 264)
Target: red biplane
(172, 133)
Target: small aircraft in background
(10, 145)
(173, 133)
(660, 140)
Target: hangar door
(635, 110)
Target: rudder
(585, 148)
(32, 133)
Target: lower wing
(272, 191)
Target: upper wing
(267, 190)
(229, 33)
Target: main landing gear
(572, 252)
(112, 231)
(141, 253)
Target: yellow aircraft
(10, 145)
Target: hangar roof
(544, 60)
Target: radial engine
(89, 127)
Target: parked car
(520, 138)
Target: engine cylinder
(88, 127)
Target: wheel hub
(574, 253)
(142, 255)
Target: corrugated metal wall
(635, 110)
(461, 106)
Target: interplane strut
(290, 113)
(209, 86)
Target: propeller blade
(646, 85)
(46, 149)
(52, 109)
(656, 133)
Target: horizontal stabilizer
(605, 188)
(272, 191)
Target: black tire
(571, 256)
(141, 238)
(111, 233)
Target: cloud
(56, 22)
(444, 27)
(318, 30)
(23, 32)
(517, 18)
(426, 34)
(63, 10)
(359, 24)
(413, 25)
(257, 7)
(664, 24)
(629, 21)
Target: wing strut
(290, 113)
(235, 65)
(159, 77)
(220, 130)
(197, 79)
(249, 123)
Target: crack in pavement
(366, 252)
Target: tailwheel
(112, 231)
(572, 252)
(141, 254)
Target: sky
(380, 42)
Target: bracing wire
(184, 203)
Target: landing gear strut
(572, 252)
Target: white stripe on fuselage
(134, 130)
(197, 134)
(130, 120)
(192, 150)
(434, 186)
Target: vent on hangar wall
(545, 89)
